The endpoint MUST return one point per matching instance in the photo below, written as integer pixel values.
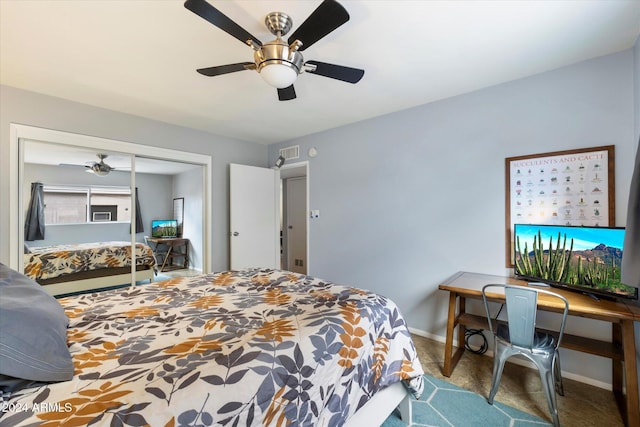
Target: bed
(239, 348)
(65, 269)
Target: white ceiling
(140, 57)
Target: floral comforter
(242, 348)
(47, 262)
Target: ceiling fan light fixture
(278, 74)
(98, 172)
(278, 63)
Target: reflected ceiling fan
(100, 168)
(97, 168)
(279, 62)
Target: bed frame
(100, 279)
(380, 406)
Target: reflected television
(166, 228)
(583, 259)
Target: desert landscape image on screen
(584, 257)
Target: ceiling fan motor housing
(278, 52)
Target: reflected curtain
(34, 222)
(139, 223)
(631, 250)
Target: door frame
(19, 132)
(297, 165)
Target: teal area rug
(444, 404)
(160, 277)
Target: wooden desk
(167, 249)
(463, 285)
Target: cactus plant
(552, 265)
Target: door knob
(235, 234)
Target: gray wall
(149, 187)
(410, 198)
(189, 186)
(29, 108)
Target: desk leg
(448, 344)
(631, 373)
(166, 257)
(186, 256)
(450, 358)
(617, 366)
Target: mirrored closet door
(94, 196)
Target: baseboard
(565, 374)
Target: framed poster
(573, 187)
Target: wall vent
(289, 153)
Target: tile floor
(176, 273)
(581, 406)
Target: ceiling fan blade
(225, 69)
(287, 94)
(220, 20)
(338, 72)
(326, 18)
(70, 165)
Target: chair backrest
(521, 303)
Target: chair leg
(498, 366)
(557, 373)
(548, 383)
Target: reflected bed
(64, 269)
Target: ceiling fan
(100, 168)
(97, 168)
(279, 62)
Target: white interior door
(254, 217)
(296, 215)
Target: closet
(74, 165)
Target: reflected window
(83, 204)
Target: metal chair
(520, 337)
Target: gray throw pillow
(33, 333)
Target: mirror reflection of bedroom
(80, 211)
